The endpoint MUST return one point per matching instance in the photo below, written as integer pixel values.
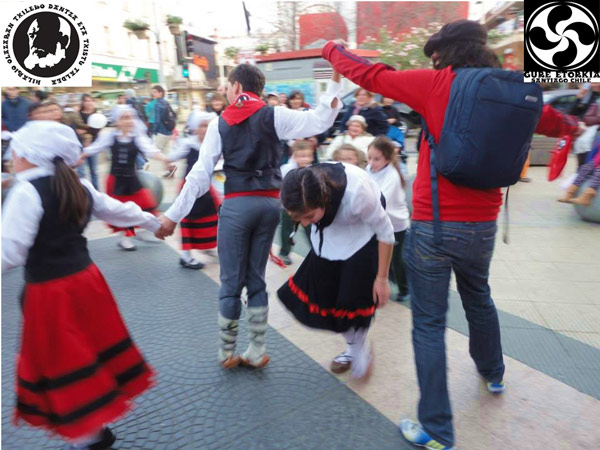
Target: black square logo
(562, 36)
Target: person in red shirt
(468, 219)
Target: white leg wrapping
(257, 328)
(228, 331)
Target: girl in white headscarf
(199, 227)
(122, 183)
(75, 346)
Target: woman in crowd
(364, 105)
(356, 134)
(87, 135)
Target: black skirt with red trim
(78, 368)
(333, 295)
(143, 197)
(199, 227)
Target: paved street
(545, 284)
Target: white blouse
(289, 124)
(183, 147)
(359, 217)
(106, 140)
(360, 142)
(22, 212)
(388, 180)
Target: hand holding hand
(167, 227)
(381, 292)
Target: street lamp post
(161, 74)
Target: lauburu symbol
(562, 36)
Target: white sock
(186, 255)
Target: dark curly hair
(465, 54)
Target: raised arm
(290, 124)
(408, 86)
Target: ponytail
(72, 196)
(387, 149)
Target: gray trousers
(246, 229)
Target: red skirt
(144, 198)
(78, 368)
(199, 227)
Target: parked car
(408, 117)
(562, 100)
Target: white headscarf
(139, 126)
(40, 141)
(197, 117)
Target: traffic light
(189, 44)
(185, 69)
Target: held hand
(167, 227)
(381, 292)
(582, 129)
(340, 42)
(335, 76)
(80, 161)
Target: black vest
(251, 153)
(59, 249)
(123, 167)
(191, 159)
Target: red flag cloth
(559, 157)
(246, 104)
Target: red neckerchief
(246, 104)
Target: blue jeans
(467, 249)
(92, 162)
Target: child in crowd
(348, 153)
(302, 156)
(384, 169)
(199, 227)
(122, 183)
(344, 278)
(588, 171)
(78, 368)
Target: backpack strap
(435, 202)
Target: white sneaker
(126, 244)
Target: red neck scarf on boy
(246, 104)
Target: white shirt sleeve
(147, 147)
(366, 204)
(103, 142)
(118, 213)
(22, 212)
(197, 182)
(180, 151)
(290, 124)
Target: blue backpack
(489, 122)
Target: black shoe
(193, 264)
(107, 439)
(525, 180)
(286, 259)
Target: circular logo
(46, 44)
(562, 36)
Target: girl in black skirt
(199, 227)
(344, 278)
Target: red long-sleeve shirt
(427, 92)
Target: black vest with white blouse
(59, 249)
(251, 153)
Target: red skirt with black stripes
(78, 368)
(199, 227)
(143, 197)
